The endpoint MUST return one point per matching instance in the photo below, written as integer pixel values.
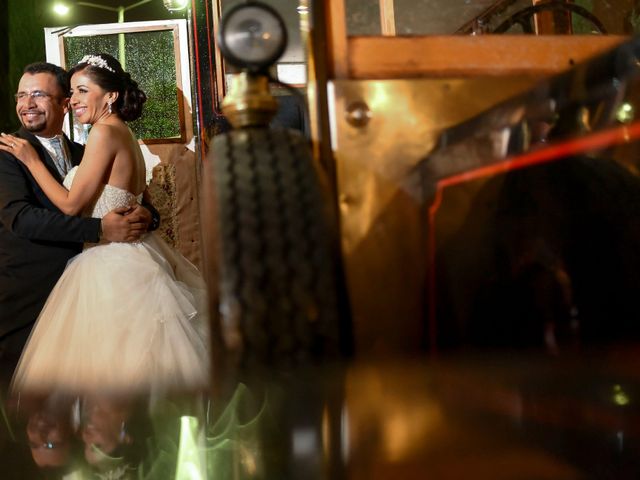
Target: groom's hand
(124, 224)
(140, 216)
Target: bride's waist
(103, 243)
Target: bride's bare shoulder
(107, 132)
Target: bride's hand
(19, 148)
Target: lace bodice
(111, 197)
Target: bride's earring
(123, 432)
(109, 105)
(124, 435)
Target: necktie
(59, 157)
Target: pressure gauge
(252, 35)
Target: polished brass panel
(381, 195)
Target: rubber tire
(278, 289)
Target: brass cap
(249, 102)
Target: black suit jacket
(36, 239)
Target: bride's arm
(98, 157)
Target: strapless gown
(123, 317)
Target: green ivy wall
(22, 41)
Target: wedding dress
(123, 317)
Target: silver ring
(13, 145)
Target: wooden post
(552, 22)
(335, 23)
(387, 18)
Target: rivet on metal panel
(345, 201)
(358, 113)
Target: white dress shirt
(59, 153)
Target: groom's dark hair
(62, 77)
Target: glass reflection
(142, 437)
(553, 187)
(50, 438)
(412, 416)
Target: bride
(123, 316)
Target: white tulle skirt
(124, 317)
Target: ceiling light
(60, 9)
(175, 5)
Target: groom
(36, 239)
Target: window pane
(443, 17)
(363, 17)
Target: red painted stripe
(212, 71)
(593, 141)
(196, 51)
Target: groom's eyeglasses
(45, 445)
(37, 96)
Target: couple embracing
(127, 312)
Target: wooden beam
(447, 56)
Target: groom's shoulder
(29, 137)
(9, 164)
(76, 148)
(26, 134)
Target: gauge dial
(252, 35)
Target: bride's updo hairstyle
(107, 72)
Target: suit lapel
(75, 149)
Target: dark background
(22, 37)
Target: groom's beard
(33, 120)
